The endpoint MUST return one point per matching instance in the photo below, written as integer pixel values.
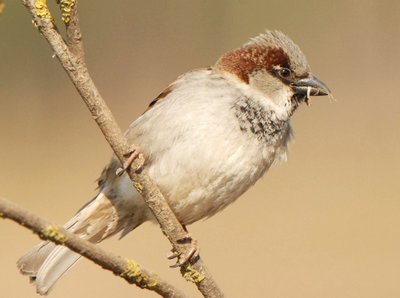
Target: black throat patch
(254, 118)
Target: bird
(206, 139)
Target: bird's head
(274, 65)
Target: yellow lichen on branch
(42, 10)
(138, 187)
(66, 9)
(135, 274)
(191, 274)
(52, 233)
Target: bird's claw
(173, 255)
(134, 153)
(192, 254)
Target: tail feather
(55, 265)
(30, 263)
(99, 219)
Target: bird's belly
(202, 183)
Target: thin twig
(79, 75)
(128, 269)
(69, 11)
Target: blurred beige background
(326, 224)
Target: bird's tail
(47, 262)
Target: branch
(196, 271)
(69, 11)
(128, 269)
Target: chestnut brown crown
(269, 51)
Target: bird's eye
(284, 73)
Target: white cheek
(282, 96)
(282, 101)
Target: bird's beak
(310, 86)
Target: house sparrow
(206, 139)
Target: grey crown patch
(262, 123)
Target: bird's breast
(205, 144)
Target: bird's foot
(191, 254)
(133, 153)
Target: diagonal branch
(126, 268)
(71, 61)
